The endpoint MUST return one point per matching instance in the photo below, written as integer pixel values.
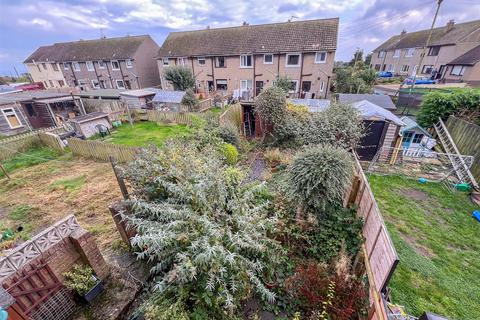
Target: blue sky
(28, 24)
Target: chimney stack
(403, 33)
(450, 25)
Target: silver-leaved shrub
(205, 232)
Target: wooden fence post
(4, 171)
(121, 182)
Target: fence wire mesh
(60, 306)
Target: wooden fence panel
(51, 140)
(232, 117)
(101, 151)
(466, 136)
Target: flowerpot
(94, 292)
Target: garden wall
(32, 272)
(466, 136)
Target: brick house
(401, 53)
(107, 63)
(243, 60)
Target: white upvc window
(12, 118)
(268, 58)
(457, 70)
(397, 52)
(182, 61)
(292, 60)
(95, 84)
(129, 63)
(321, 57)
(295, 86)
(201, 60)
(65, 66)
(391, 68)
(115, 65)
(381, 54)
(101, 64)
(246, 85)
(120, 84)
(76, 66)
(246, 61)
(90, 66)
(165, 62)
(410, 52)
(404, 68)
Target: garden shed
(87, 124)
(414, 136)
(138, 99)
(168, 100)
(381, 100)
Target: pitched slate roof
(166, 96)
(467, 32)
(85, 50)
(469, 58)
(311, 35)
(381, 100)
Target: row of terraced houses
(243, 60)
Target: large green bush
(464, 103)
(180, 77)
(318, 177)
(271, 105)
(205, 233)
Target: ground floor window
(377, 67)
(221, 84)
(457, 71)
(128, 84)
(12, 118)
(405, 68)
(294, 86)
(61, 83)
(95, 84)
(427, 69)
(103, 84)
(120, 84)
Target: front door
(306, 86)
(440, 72)
(258, 87)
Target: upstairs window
(90, 66)
(397, 52)
(181, 61)
(76, 66)
(410, 52)
(129, 63)
(220, 62)
(268, 58)
(320, 57)
(120, 84)
(12, 118)
(381, 54)
(115, 65)
(65, 66)
(101, 64)
(433, 51)
(44, 65)
(165, 62)
(405, 68)
(293, 60)
(246, 61)
(55, 67)
(201, 60)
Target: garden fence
(101, 151)
(232, 117)
(51, 140)
(466, 136)
(21, 142)
(380, 254)
(187, 118)
(205, 105)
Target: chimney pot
(450, 25)
(404, 32)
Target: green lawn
(145, 133)
(438, 243)
(29, 158)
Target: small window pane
(268, 58)
(293, 59)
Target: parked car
(385, 74)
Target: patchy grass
(19, 220)
(29, 158)
(438, 243)
(70, 185)
(145, 133)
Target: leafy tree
(190, 100)
(318, 176)
(271, 105)
(354, 79)
(205, 232)
(180, 77)
(285, 83)
(465, 104)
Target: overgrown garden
(221, 247)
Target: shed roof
(469, 58)
(411, 124)
(9, 98)
(314, 105)
(89, 117)
(310, 35)
(85, 50)
(139, 92)
(100, 93)
(466, 32)
(165, 96)
(371, 111)
(381, 100)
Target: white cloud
(36, 22)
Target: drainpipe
(96, 74)
(301, 76)
(254, 77)
(213, 73)
(326, 88)
(73, 73)
(110, 75)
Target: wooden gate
(33, 287)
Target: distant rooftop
(100, 93)
(9, 98)
(381, 100)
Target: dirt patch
(421, 250)
(88, 201)
(415, 194)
